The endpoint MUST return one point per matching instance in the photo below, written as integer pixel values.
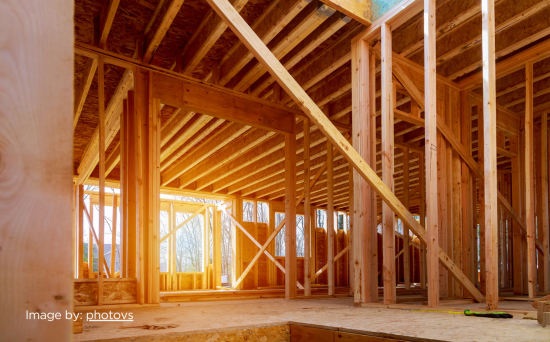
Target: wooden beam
(205, 36)
(490, 146)
(388, 229)
(290, 217)
(222, 103)
(431, 151)
(278, 15)
(329, 27)
(395, 17)
(509, 65)
(106, 21)
(83, 89)
(166, 15)
(304, 24)
(529, 186)
(277, 70)
(358, 10)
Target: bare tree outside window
(263, 212)
(164, 229)
(280, 238)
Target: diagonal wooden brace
(257, 244)
(173, 231)
(96, 241)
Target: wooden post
(362, 192)
(307, 212)
(466, 191)
(91, 242)
(373, 255)
(406, 254)
(255, 221)
(529, 186)
(490, 146)
(132, 202)
(80, 238)
(206, 252)
(217, 252)
(113, 236)
(545, 264)
(36, 147)
(387, 166)
(101, 125)
(147, 112)
(272, 270)
(422, 184)
(431, 151)
(236, 209)
(330, 220)
(290, 217)
(481, 202)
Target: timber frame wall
(432, 114)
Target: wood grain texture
(36, 92)
(490, 146)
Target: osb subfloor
(209, 317)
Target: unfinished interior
(369, 156)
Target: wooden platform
(337, 314)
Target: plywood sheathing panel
(119, 292)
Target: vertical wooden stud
(307, 212)
(330, 219)
(490, 165)
(431, 151)
(101, 105)
(387, 166)
(290, 216)
(529, 186)
(406, 254)
(545, 264)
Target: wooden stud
(362, 193)
(529, 186)
(113, 236)
(490, 167)
(217, 253)
(481, 204)
(307, 211)
(387, 166)
(290, 217)
(406, 253)
(330, 221)
(545, 233)
(255, 221)
(101, 101)
(466, 191)
(431, 151)
(80, 233)
(372, 208)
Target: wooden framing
(388, 228)
(529, 186)
(250, 120)
(490, 146)
(431, 152)
(243, 31)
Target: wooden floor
(336, 313)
